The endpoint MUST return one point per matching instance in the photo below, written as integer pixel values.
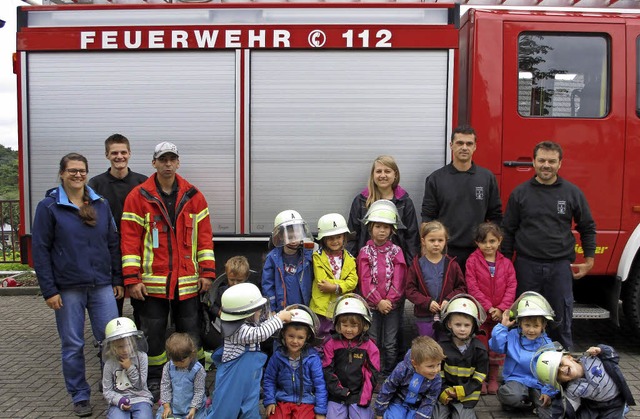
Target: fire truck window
(563, 75)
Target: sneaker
(82, 408)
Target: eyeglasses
(74, 172)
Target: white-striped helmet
(382, 211)
(331, 224)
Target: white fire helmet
(351, 304)
(123, 340)
(530, 304)
(302, 314)
(464, 304)
(545, 364)
(242, 301)
(383, 211)
(331, 225)
(289, 227)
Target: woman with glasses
(76, 255)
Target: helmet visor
(289, 233)
(124, 348)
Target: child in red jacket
(433, 278)
(491, 279)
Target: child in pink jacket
(491, 279)
(381, 269)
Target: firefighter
(538, 223)
(461, 195)
(167, 255)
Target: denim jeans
(101, 305)
(140, 410)
(384, 331)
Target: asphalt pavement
(32, 386)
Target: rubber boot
(493, 384)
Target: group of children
(336, 322)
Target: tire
(631, 301)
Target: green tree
(8, 173)
(9, 211)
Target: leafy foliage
(8, 173)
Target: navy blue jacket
(284, 384)
(396, 388)
(70, 254)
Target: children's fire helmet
(289, 227)
(531, 304)
(351, 304)
(545, 363)
(241, 301)
(122, 340)
(465, 304)
(547, 368)
(302, 314)
(383, 211)
(120, 327)
(331, 225)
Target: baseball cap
(164, 148)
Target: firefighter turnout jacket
(166, 259)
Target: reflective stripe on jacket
(180, 254)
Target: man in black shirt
(116, 183)
(461, 195)
(538, 227)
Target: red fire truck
(285, 105)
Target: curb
(13, 291)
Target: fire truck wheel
(631, 301)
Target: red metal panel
(236, 36)
(583, 139)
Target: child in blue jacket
(294, 383)
(413, 387)
(521, 389)
(287, 274)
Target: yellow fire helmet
(530, 304)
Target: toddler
(294, 384)
(239, 362)
(382, 268)
(351, 360)
(593, 385)
(413, 387)
(491, 279)
(236, 271)
(521, 389)
(182, 389)
(334, 269)
(467, 359)
(433, 278)
(124, 377)
(287, 274)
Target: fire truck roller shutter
(319, 118)
(77, 99)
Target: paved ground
(31, 383)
